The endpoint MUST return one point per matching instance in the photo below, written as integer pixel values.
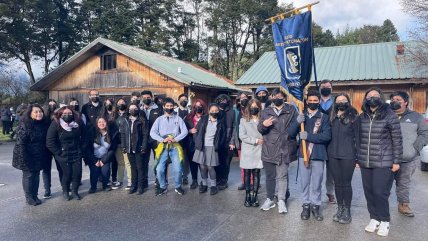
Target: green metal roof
(377, 61)
(190, 75)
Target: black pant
(377, 183)
(30, 183)
(342, 171)
(97, 172)
(193, 165)
(248, 173)
(225, 157)
(46, 174)
(72, 174)
(137, 170)
(7, 126)
(114, 166)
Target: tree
(321, 38)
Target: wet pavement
(116, 215)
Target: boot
(76, 195)
(315, 209)
(31, 201)
(66, 196)
(346, 216)
(306, 213)
(254, 199)
(256, 185)
(339, 213)
(248, 200)
(404, 209)
(38, 201)
(194, 184)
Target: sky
(337, 14)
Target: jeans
(172, 153)
(96, 172)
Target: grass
(4, 138)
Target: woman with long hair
(30, 153)
(342, 154)
(65, 140)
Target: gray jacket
(414, 130)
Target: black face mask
(373, 102)
(75, 107)
(199, 109)
(121, 107)
(395, 105)
(263, 98)
(278, 102)
(95, 99)
(168, 110)
(214, 114)
(254, 111)
(52, 107)
(147, 101)
(313, 106)
(243, 103)
(109, 107)
(184, 103)
(136, 102)
(68, 118)
(223, 105)
(134, 112)
(325, 91)
(342, 106)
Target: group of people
(265, 131)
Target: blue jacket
(320, 140)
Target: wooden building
(116, 70)
(353, 69)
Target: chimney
(400, 49)
(179, 70)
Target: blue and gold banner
(294, 52)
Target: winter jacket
(238, 116)
(228, 115)
(30, 152)
(379, 141)
(414, 130)
(137, 141)
(320, 139)
(219, 138)
(66, 146)
(343, 132)
(278, 146)
(114, 138)
(155, 112)
(6, 114)
(251, 151)
(91, 112)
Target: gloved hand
(301, 118)
(303, 135)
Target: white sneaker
(383, 229)
(268, 204)
(281, 207)
(373, 225)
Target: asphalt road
(116, 215)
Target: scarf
(68, 127)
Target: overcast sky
(336, 14)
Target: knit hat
(261, 88)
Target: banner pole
(281, 16)
(300, 105)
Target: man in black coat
(92, 109)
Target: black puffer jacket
(137, 141)
(30, 152)
(219, 138)
(66, 146)
(379, 140)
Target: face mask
(325, 91)
(136, 102)
(168, 110)
(254, 111)
(313, 106)
(147, 101)
(134, 112)
(214, 114)
(223, 105)
(278, 102)
(184, 103)
(395, 105)
(52, 107)
(121, 107)
(68, 118)
(75, 107)
(95, 99)
(109, 107)
(199, 109)
(263, 98)
(342, 106)
(373, 102)
(244, 103)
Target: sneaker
(180, 191)
(185, 181)
(116, 185)
(281, 207)
(373, 226)
(47, 194)
(203, 189)
(405, 209)
(268, 204)
(107, 188)
(222, 186)
(128, 187)
(161, 191)
(194, 184)
(383, 229)
(92, 190)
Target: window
(108, 61)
